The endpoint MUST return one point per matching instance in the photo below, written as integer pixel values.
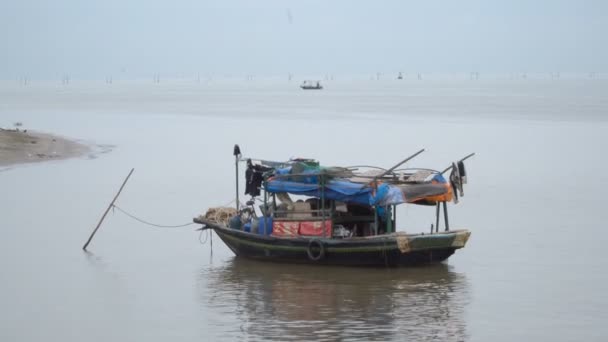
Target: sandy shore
(18, 147)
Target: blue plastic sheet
(349, 192)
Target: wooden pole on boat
(399, 164)
(394, 218)
(375, 183)
(322, 186)
(445, 216)
(376, 220)
(107, 210)
(237, 154)
(436, 218)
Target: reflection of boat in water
(304, 302)
(348, 218)
(311, 85)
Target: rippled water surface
(308, 303)
(534, 268)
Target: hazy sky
(136, 38)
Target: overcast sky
(136, 38)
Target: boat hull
(397, 249)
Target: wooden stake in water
(107, 210)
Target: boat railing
(301, 213)
(366, 166)
(417, 169)
(310, 174)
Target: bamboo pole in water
(107, 210)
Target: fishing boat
(342, 215)
(311, 85)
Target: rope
(149, 223)
(207, 233)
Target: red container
(285, 228)
(315, 228)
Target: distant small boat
(400, 77)
(311, 85)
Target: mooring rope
(208, 233)
(150, 223)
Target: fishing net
(220, 215)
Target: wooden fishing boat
(310, 85)
(348, 216)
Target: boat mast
(237, 155)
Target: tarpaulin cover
(346, 191)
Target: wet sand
(19, 147)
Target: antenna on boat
(237, 155)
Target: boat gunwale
(390, 237)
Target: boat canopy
(335, 185)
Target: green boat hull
(396, 249)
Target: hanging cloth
(455, 182)
(254, 176)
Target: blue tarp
(338, 190)
(345, 191)
(302, 179)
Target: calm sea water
(534, 268)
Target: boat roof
(306, 177)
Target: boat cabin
(301, 198)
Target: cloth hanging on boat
(462, 172)
(253, 182)
(254, 176)
(455, 182)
